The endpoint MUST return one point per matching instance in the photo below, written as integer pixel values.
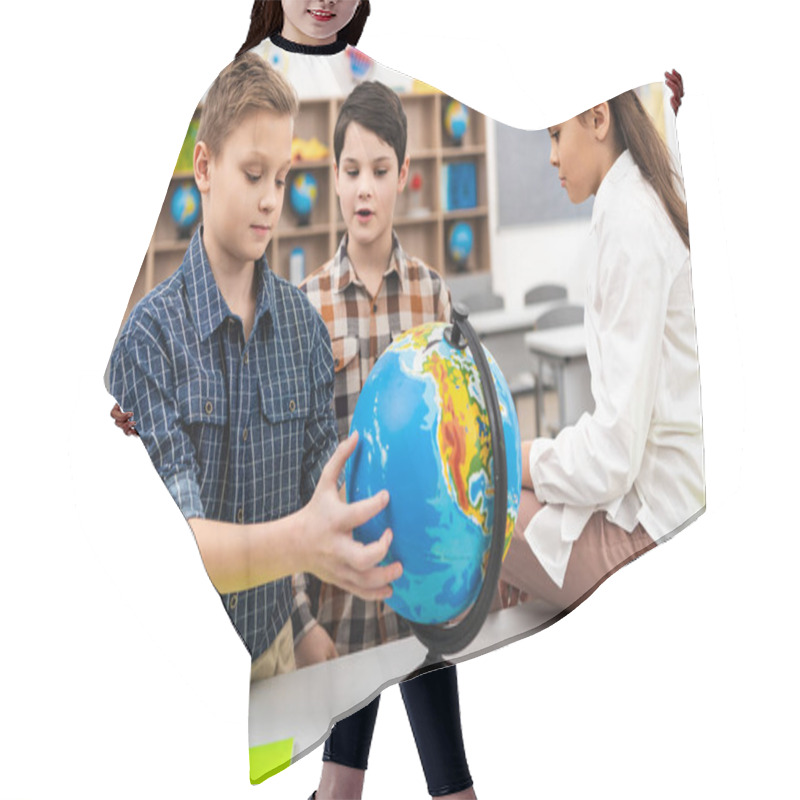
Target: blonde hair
(246, 85)
(634, 131)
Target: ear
(403, 176)
(601, 121)
(202, 162)
(336, 177)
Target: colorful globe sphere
(303, 195)
(459, 242)
(456, 121)
(184, 207)
(424, 435)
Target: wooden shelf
(424, 236)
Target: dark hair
(266, 18)
(378, 109)
(635, 132)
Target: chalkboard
(528, 187)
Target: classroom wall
(527, 255)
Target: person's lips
(320, 15)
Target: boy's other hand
(314, 647)
(331, 552)
(124, 420)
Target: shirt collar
(343, 273)
(207, 306)
(617, 173)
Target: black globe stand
(444, 639)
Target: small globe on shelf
(425, 436)
(184, 207)
(456, 121)
(459, 244)
(303, 196)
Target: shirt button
(292, 405)
(336, 362)
(244, 435)
(247, 358)
(375, 308)
(209, 406)
(233, 602)
(240, 515)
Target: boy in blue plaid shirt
(228, 373)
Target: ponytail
(636, 133)
(266, 19)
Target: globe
(303, 195)
(459, 243)
(185, 206)
(456, 120)
(424, 435)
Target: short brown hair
(377, 108)
(246, 85)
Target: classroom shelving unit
(421, 221)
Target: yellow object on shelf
(308, 150)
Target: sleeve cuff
(184, 490)
(538, 448)
(302, 617)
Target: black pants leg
(351, 738)
(433, 711)
(432, 706)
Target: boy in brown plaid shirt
(368, 294)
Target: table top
(567, 341)
(505, 320)
(300, 705)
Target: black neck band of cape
(311, 50)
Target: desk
(502, 333)
(503, 320)
(300, 705)
(565, 349)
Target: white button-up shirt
(639, 455)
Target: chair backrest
(545, 292)
(485, 301)
(559, 316)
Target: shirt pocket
(204, 410)
(345, 349)
(280, 440)
(202, 400)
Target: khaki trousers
(278, 658)
(600, 550)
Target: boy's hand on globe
(330, 550)
(314, 647)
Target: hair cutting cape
(622, 395)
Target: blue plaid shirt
(238, 431)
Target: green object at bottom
(267, 760)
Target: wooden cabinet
(422, 219)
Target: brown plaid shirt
(361, 327)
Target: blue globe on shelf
(425, 436)
(303, 196)
(456, 121)
(459, 244)
(184, 207)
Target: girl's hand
(124, 420)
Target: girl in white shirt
(630, 474)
